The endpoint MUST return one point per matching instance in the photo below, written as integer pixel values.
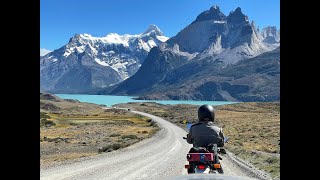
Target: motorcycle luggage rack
(202, 157)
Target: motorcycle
(204, 160)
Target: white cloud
(44, 52)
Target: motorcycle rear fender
(202, 171)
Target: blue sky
(61, 19)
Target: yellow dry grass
(253, 127)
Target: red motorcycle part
(200, 157)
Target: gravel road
(161, 157)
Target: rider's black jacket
(204, 133)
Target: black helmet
(206, 111)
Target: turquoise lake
(110, 100)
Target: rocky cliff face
(270, 35)
(255, 79)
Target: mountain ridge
(206, 60)
(205, 45)
(104, 60)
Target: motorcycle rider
(205, 132)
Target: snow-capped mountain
(88, 62)
(205, 56)
(214, 35)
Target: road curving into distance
(160, 157)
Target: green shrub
(46, 123)
(44, 115)
(129, 136)
(272, 160)
(49, 106)
(154, 124)
(109, 148)
(105, 148)
(114, 135)
(116, 146)
(72, 124)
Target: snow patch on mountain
(220, 22)
(103, 63)
(162, 38)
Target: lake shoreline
(110, 100)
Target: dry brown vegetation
(253, 128)
(70, 130)
(254, 131)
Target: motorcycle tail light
(187, 166)
(217, 166)
(201, 167)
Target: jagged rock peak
(237, 17)
(213, 13)
(155, 29)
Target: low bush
(109, 148)
(46, 123)
(129, 137)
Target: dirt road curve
(160, 157)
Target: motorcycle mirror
(226, 139)
(189, 126)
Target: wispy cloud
(44, 51)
